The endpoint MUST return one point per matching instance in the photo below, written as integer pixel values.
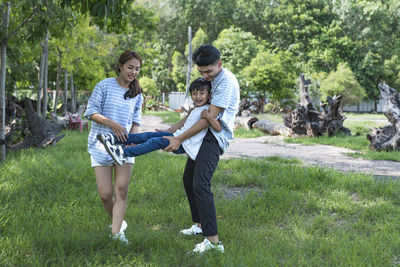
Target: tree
(237, 48)
(343, 82)
(271, 75)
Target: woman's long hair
(134, 86)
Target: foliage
(149, 86)
(178, 71)
(270, 75)
(343, 82)
(237, 48)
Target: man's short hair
(200, 84)
(206, 55)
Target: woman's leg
(105, 186)
(122, 178)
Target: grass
(286, 214)
(359, 124)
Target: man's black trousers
(197, 181)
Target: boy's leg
(206, 163)
(150, 145)
(133, 138)
(138, 138)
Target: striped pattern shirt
(108, 100)
(225, 94)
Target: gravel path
(318, 155)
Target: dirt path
(318, 155)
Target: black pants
(197, 181)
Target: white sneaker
(106, 137)
(116, 152)
(124, 225)
(194, 230)
(121, 237)
(207, 245)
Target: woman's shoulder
(107, 81)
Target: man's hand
(174, 143)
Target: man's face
(209, 72)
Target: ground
(318, 155)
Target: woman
(115, 107)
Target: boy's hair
(200, 84)
(206, 55)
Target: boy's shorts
(97, 164)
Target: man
(197, 175)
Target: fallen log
(387, 137)
(268, 127)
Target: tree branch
(6, 38)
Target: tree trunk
(186, 104)
(65, 91)
(388, 137)
(57, 85)
(6, 17)
(45, 77)
(305, 120)
(73, 100)
(41, 75)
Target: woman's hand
(119, 131)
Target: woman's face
(129, 70)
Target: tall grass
(271, 212)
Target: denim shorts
(97, 164)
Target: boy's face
(200, 97)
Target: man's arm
(176, 141)
(215, 123)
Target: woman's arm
(117, 128)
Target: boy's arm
(177, 126)
(215, 123)
(176, 141)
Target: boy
(200, 91)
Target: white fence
(366, 106)
(176, 100)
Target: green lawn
(359, 124)
(271, 212)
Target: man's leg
(206, 163)
(188, 184)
